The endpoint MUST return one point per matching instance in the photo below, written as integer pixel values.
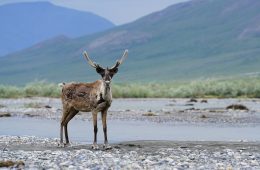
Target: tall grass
(35, 89)
(206, 88)
(247, 87)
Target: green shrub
(228, 88)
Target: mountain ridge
(26, 23)
(190, 40)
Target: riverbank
(189, 134)
(44, 153)
(210, 111)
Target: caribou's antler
(119, 62)
(90, 62)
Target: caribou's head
(106, 73)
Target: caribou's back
(81, 96)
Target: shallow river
(119, 131)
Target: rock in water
(237, 107)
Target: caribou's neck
(106, 92)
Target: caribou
(92, 97)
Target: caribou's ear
(114, 70)
(100, 70)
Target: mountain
(191, 40)
(24, 24)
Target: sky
(117, 11)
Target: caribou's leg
(94, 115)
(64, 116)
(73, 112)
(104, 123)
(61, 133)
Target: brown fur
(82, 96)
(86, 97)
(89, 97)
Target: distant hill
(24, 24)
(191, 40)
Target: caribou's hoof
(60, 145)
(107, 147)
(95, 147)
(67, 144)
(63, 145)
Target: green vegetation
(42, 89)
(247, 87)
(205, 88)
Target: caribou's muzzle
(107, 82)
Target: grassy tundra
(247, 87)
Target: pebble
(254, 163)
(197, 157)
(215, 111)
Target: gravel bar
(154, 110)
(44, 153)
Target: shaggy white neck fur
(106, 92)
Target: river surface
(175, 119)
(119, 131)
